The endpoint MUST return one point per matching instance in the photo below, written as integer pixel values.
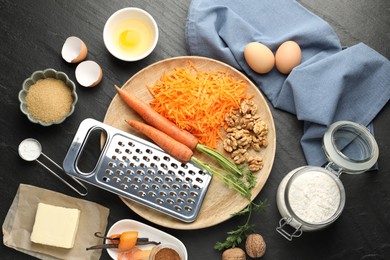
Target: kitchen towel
(332, 83)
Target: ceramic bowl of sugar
(48, 97)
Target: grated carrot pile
(197, 101)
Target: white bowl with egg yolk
(130, 34)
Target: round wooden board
(220, 201)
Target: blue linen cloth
(332, 83)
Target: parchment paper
(18, 224)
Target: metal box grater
(141, 171)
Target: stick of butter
(55, 226)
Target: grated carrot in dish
(197, 101)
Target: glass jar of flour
(310, 198)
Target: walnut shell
(234, 254)
(255, 246)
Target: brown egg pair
(88, 73)
(261, 59)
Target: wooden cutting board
(220, 201)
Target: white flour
(314, 197)
(29, 149)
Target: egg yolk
(132, 37)
(129, 38)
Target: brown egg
(259, 57)
(288, 56)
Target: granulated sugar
(314, 197)
(49, 100)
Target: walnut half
(255, 163)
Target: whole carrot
(176, 149)
(155, 119)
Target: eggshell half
(74, 50)
(88, 73)
(288, 56)
(259, 57)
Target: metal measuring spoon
(30, 150)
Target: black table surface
(32, 35)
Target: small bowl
(37, 75)
(120, 16)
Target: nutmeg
(234, 254)
(255, 246)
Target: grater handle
(86, 127)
